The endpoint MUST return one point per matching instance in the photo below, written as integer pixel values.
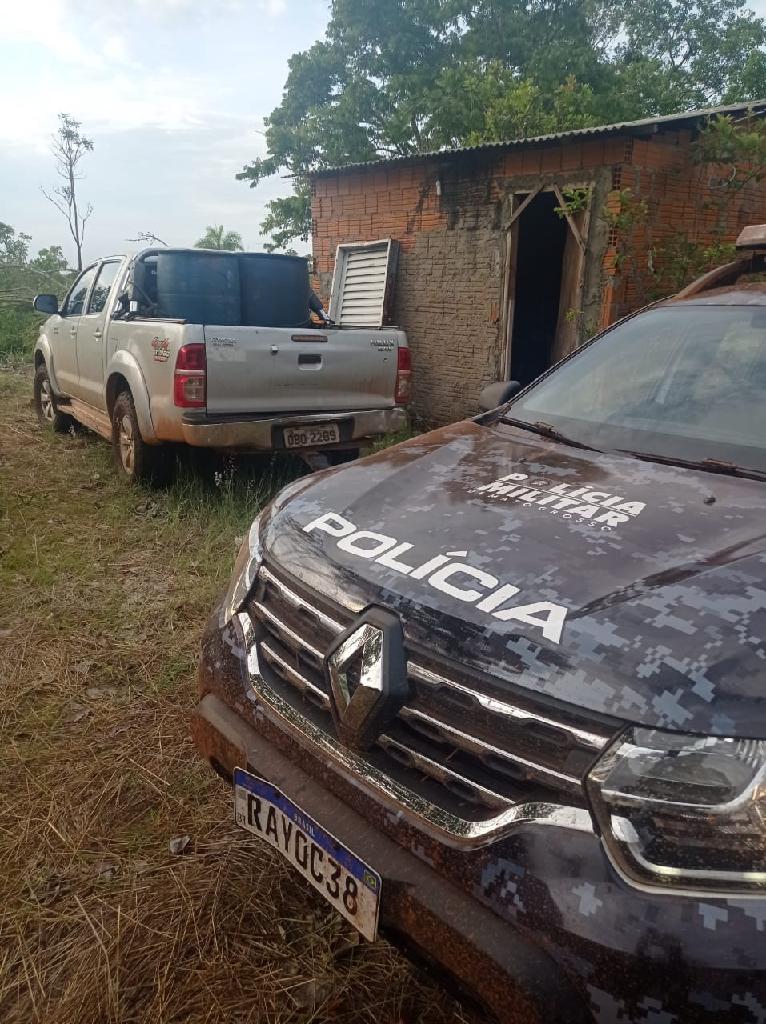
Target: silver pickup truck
(216, 350)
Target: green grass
(104, 590)
(405, 434)
(19, 328)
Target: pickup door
(90, 336)
(276, 369)
(64, 327)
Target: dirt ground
(103, 593)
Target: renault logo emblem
(367, 669)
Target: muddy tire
(46, 407)
(134, 459)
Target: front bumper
(537, 924)
(515, 978)
(265, 433)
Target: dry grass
(103, 591)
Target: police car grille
(468, 752)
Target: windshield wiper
(706, 465)
(546, 430)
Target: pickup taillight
(190, 379)
(403, 377)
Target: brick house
(511, 254)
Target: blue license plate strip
(275, 832)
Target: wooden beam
(520, 209)
(570, 219)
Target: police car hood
(629, 588)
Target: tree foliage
(403, 77)
(216, 237)
(69, 146)
(50, 260)
(14, 246)
(21, 278)
(289, 217)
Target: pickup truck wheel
(134, 459)
(46, 407)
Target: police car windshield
(685, 382)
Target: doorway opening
(540, 246)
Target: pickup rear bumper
(265, 433)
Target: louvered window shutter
(362, 286)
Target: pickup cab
(216, 350)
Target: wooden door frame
(518, 205)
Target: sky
(173, 94)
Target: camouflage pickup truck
(217, 350)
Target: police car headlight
(683, 812)
(245, 570)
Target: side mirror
(47, 304)
(497, 394)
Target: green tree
(50, 260)
(69, 146)
(20, 280)
(689, 53)
(409, 76)
(216, 238)
(14, 247)
(289, 217)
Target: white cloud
(158, 63)
(114, 49)
(88, 71)
(274, 8)
(173, 93)
(46, 24)
(119, 103)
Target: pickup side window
(100, 294)
(75, 302)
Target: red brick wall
(449, 285)
(449, 279)
(683, 205)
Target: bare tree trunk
(68, 147)
(76, 232)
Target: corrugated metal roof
(629, 127)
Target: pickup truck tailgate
(274, 369)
